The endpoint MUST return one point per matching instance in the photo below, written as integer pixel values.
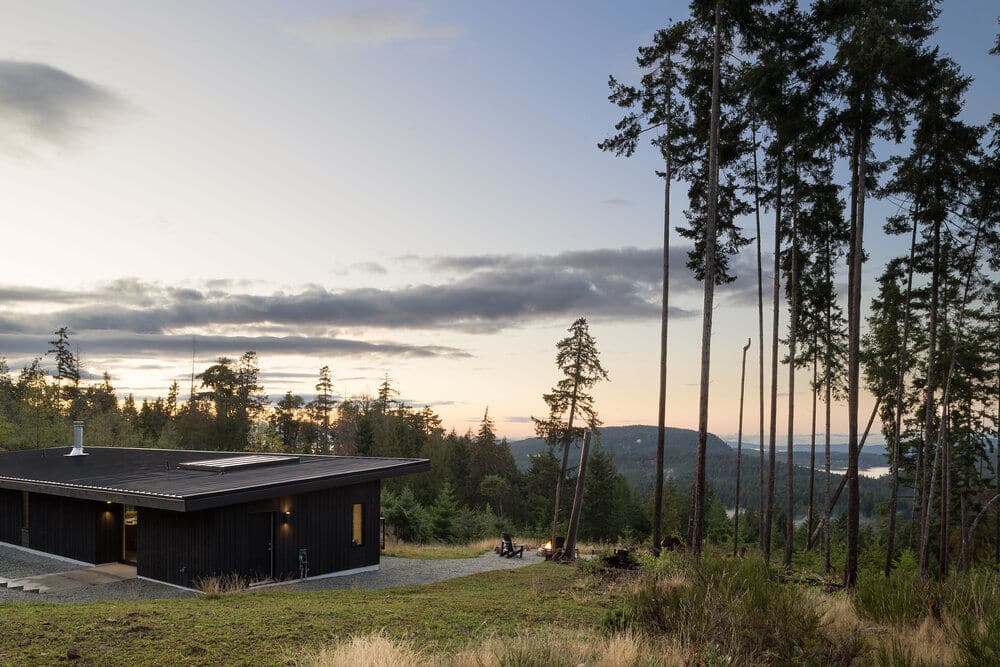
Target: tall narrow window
(24, 510)
(357, 534)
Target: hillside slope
(633, 449)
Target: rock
(73, 653)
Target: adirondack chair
(507, 548)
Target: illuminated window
(357, 538)
(24, 510)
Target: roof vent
(77, 440)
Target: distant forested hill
(633, 449)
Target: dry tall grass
(217, 586)
(931, 642)
(555, 648)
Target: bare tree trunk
(854, 362)
(963, 557)
(793, 294)
(661, 428)
(945, 399)
(812, 449)
(898, 426)
(996, 470)
(776, 306)
(828, 382)
(569, 549)
(945, 506)
(697, 524)
(760, 349)
(739, 451)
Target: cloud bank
(41, 103)
(481, 294)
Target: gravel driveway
(410, 572)
(392, 572)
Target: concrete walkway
(59, 582)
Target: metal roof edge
(235, 496)
(95, 493)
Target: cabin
(178, 516)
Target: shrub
(409, 520)
(471, 525)
(900, 599)
(735, 606)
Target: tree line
(474, 489)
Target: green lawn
(433, 551)
(271, 627)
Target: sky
(410, 188)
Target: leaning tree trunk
(569, 549)
(890, 540)
(776, 306)
(739, 452)
(698, 519)
(924, 454)
(854, 362)
(843, 478)
(661, 428)
(945, 399)
(760, 351)
(567, 440)
(979, 517)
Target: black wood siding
(180, 547)
(85, 530)
(10, 516)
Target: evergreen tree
(579, 361)
(67, 365)
(713, 209)
(322, 406)
(443, 514)
(285, 419)
(653, 106)
(880, 52)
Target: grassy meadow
(670, 611)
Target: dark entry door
(260, 548)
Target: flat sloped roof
(153, 478)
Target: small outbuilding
(180, 515)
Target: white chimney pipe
(77, 440)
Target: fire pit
(547, 551)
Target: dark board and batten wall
(84, 530)
(10, 516)
(180, 547)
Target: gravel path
(392, 572)
(16, 563)
(411, 572)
